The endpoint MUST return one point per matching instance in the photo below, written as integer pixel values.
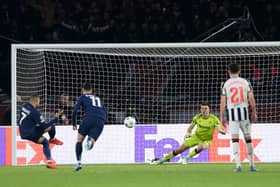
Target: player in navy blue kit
(32, 126)
(95, 115)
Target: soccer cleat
(156, 161)
(238, 169)
(78, 167)
(89, 144)
(56, 141)
(51, 164)
(252, 169)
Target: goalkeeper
(202, 137)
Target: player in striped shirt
(237, 95)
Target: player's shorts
(91, 126)
(194, 140)
(36, 133)
(244, 125)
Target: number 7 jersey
(236, 90)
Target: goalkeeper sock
(192, 154)
(250, 153)
(52, 132)
(79, 150)
(46, 149)
(236, 152)
(169, 156)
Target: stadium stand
(111, 21)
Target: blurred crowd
(117, 21)
(128, 20)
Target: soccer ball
(129, 122)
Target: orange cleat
(56, 141)
(51, 164)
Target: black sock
(52, 132)
(79, 150)
(46, 149)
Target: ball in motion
(129, 121)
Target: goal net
(156, 83)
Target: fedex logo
(148, 142)
(219, 151)
(159, 147)
(29, 152)
(36, 151)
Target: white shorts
(244, 125)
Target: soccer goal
(158, 83)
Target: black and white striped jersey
(236, 90)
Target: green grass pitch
(141, 175)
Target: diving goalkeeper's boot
(156, 161)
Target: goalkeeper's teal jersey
(205, 126)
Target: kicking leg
(90, 143)
(51, 130)
(93, 135)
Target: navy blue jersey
(92, 105)
(30, 120)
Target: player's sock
(192, 154)
(52, 132)
(46, 149)
(250, 153)
(236, 152)
(79, 150)
(168, 157)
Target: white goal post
(158, 83)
